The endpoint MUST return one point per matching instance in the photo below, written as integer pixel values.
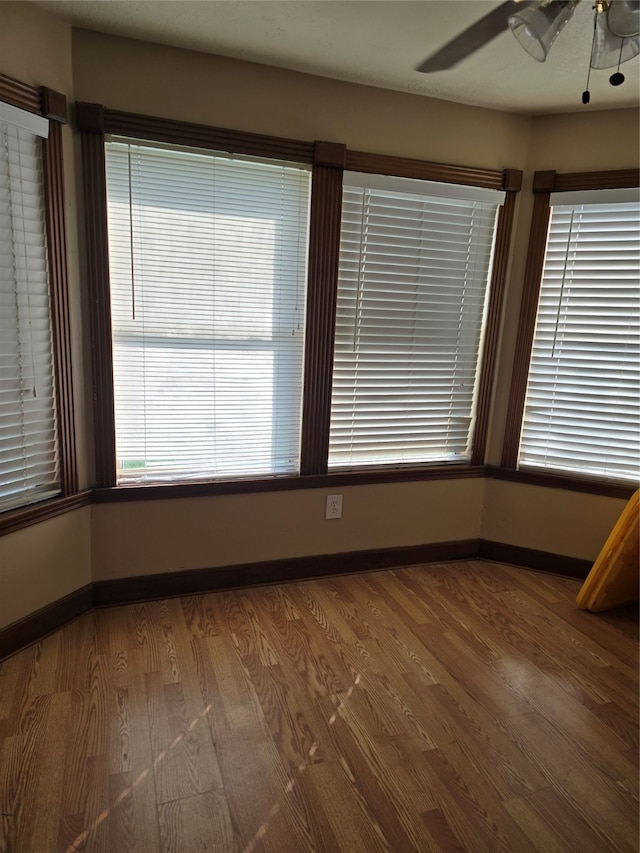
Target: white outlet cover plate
(333, 508)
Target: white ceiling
(375, 42)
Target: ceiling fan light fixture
(609, 50)
(623, 18)
(538, 26)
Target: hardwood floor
(448, 707)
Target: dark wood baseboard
(37, 625)
(107, 593)
(528, 558)
(44, 621)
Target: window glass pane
(413, 282)
(582, 410)
(28, 438)
(208, 281)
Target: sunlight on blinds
(208, 280)
(28, 439)
(412, 291)
(582, 410)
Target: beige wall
(553, 520)
(35, 47)
(164, 536)
(46, 561)
(43, 563)
(140, 77)
(585, 141)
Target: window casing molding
(544, 185)
(329, 160)
(53, 106)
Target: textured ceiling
(375, 42)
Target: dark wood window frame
(328, 161)
(52, 105)
(544, 184)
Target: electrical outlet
(333, 507)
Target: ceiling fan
(536, 25)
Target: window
(415, 264)
(214, 257)
(208, 257)
(582, 406)
(29, 465)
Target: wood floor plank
(546, 589)
(547, 815)
(371, 784)
(407, 764)
(319, 670)
(253, 784)
(145, 797)
(201, 616)
(389, 629)
(546, 678)
(551, 701)
(482, 743)
(625, 725)
(119, 751)
(348, 627)
(121, 819)
(446, 617)
(73, 672)
(400, 647)
(612, 815)
(399, 795)
(408, 608)
(46, 670)
(242, 629)
(536, 828)
(303, 596)
(18, 676)
(450, 654)
(577, 649)
(78, 749)
(204, 816)
(354, 829)
(590, 626)
(297, 728)
(22, 775)
(382, 719)
(10, 807)
(226, 687)
(148, 634)
(440, 831)
(450, 707)
(471, 811)
(184, 761)
(95, 836)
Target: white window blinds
(28, 446)
(582, 409)
(208, 280)
(415, 262)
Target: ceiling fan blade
(473, 38)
